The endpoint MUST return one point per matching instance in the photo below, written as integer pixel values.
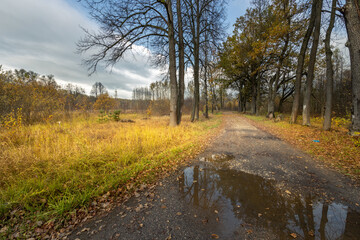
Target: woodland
(64, 151)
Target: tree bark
(258, 95)
(239, 100)
(300, 64)
(329, 70)
(352, 21)
(181, 89)
(311, 69)
(253, 96)
(273, 90)
(196, 39)
(172, 67)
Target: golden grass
(48, 170)
(335, 148)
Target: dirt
(247, 184)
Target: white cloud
(41, 35)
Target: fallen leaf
(214, 236)
(293, 235)
(249, 231)
(288, 192)
(85, 229)
(163, 206)
(4, 229)
(178, 213)
(216, 211)
(259, 214)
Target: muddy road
(248, 184)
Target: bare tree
(311, 68)
(126, 23)
(300, 63)
(329, 69)
(97, 89)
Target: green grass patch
(48, 171)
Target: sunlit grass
(335, 147)
(48, 170)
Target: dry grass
(335, 147)
(49, 170)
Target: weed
(48, 170)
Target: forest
(290, 68)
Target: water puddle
(245, 201)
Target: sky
(41, 36)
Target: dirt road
(246, 185)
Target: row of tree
(27, 97)
(177, 32)
(271, 53)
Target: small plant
(103, 116)
(106, 116)
(116, 115)
(149, 109)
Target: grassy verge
(48, 171)
(335, 147)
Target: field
(47, 171)
(335, 148)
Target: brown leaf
(293, 235)
(163, 206)
(214, 236)
(250, 231)
(178, 213)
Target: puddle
(246, 202)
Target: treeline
(27, 97)
(276, 62)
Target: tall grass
(50, 169)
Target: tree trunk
(205, 79)
(258, 95)
(311, 69)
(172, 67)
(253, 96)
(352, 21)
(196, 39)
(239, 101)
(300, 64)
(329, 70)
(181, 89)
(273, 90)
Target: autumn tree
(104, 102)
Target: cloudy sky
(41, 35)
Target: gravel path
(247, 184)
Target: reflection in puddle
(243, 199)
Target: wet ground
(246, 185)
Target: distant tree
(97, 89)
(104, 102)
